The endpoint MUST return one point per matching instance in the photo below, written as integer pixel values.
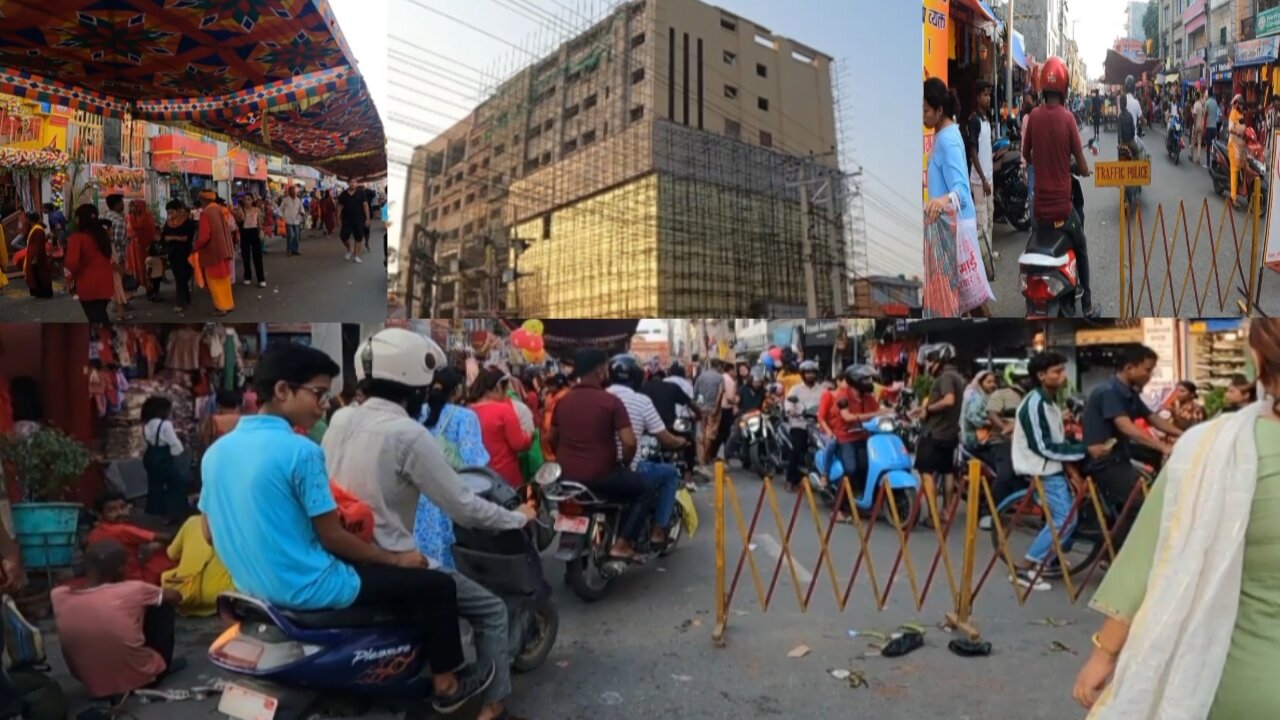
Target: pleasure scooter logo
(364, 656)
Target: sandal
(632, 558)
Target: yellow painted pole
(1124, 221)
(960, 617)
(1253, 251)
(722, 612)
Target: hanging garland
(109, 177)
(42, 161)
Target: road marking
(771, 547)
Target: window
(571, 112)
(570, 146)
(444, 210)
(573, 77)
(588, 137)
(766, 139)
(728, 24)
(731, 92)
(1222, 36)
(448, 183)
(530, 166)
(482, 223)
(730, 58)
(637, 41)
(762, 70)
(546, 126)
(471, 197)
(606, 92)
(458, 178)
(732, 128)
(497, 151)
(589, 102)
(535, 131)
(471, 170)
(637, 113)
(432, 217)
(764, 41)
(546, 226)
(763, 104)
(457, 205)
(466, 229)
(637, 76)
(485, 163)
(546, 158)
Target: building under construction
(672, 160)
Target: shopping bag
(355, 515)
(955, 279)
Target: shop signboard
(1161, 335)
(1122, 173)
(936, 53)
(1257, 52)
(222, 169)
(1268, 23)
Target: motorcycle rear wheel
(675, 532)
(907, 501)
(546, 619)
(585, 579)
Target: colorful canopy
(272, 73)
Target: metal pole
(806, 249)
(836, 246)
(1008, 78)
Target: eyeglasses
(321, 394)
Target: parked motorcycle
(1254, 168)
(588, 525)
(1010, 186)
(1173, 143)
(287, 662)
(887, 459)
(1047, 269)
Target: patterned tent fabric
(219, 65)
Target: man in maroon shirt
(583, 430)
(1052, 140)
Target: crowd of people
(110, 259)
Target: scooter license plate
(242, 703)
(576, 525)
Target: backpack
(23, 643)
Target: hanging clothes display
(182, 350)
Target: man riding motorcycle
(380, 454)
(803, 396)
(841, 414)
(271, 517)
(1052, 141)
(625, 378)
(1130, 117)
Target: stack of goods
(124, 429)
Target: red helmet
(1054, 76)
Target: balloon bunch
(772, 358)
(528, 340)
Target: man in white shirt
(1197, 127)
(803, 397)
(980, 160)
(293, 214)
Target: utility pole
(1008, 78)
(837, 252)
(806, 247)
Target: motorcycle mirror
(548, 474)
(793, 399)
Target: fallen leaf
(1058, 646)
(697, 622)
(799, 651)
(682, 678)
(840, 674)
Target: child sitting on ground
(155, 271)
(116, 634)
(200, 576)
(146, 549)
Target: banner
(936, 21)
(222, 169)
(1161, 335)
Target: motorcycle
(759, 446)
(286, 662)
(1126, 153)
(1173, 143)
(887, 459)
(682, 427)
(588, 525)
(1047, 269)
(1254, 167)
(1009, 186)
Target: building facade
(1134, 12)
(659, 163)
(1043, 24)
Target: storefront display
(1218, 351)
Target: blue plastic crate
(46, 533)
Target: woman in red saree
(142, 232)
(214, 253)
(328, 212)
(38, 268)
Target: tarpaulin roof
(569, 335)
(216, 65)
(1019, 51)
(1118, 67)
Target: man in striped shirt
(625, 377)
(1041, 449)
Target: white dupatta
(1173, 660)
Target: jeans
(666, 480)
(432, 597)
(1031, 190)
(95, 311)
(853, 458)
(632, 488)
(293, 235)
(251, 250)
(180, 263)
(487, 614)
(1075, 228)
(799, 451)
(1058, 497)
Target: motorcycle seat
(352, 617)
(1032, 259)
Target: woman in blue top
(948, 178)
(459, 429)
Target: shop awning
(1218, 325)
(1118, 67)
(1257, 52)
(1019, 52)
(992, 13)
(280, 78)
(981, 8)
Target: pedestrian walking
(328, 213)
(1197, 128)
(117, 230)
(89, 263)
(38, 266)
(980, 162)
(251, 217)
(141, 227)
(215, 254)
(355, 220)
(291, 210)
(178, 237)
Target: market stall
(1253, 72)
(1218, 352)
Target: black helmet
(625, 370)
(1129, 83)
(860, 375)
(676, 370)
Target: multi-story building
(659, 164)
(1195, 26)
(1043, 24)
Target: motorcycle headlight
(753, 423)
(681, 426)
(885, 425)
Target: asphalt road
(646, 650)
(317, 286)
(1157, 291)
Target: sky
(438, 63)
(364, 25)
(1097, 24)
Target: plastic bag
(955, 278)
(355, 515)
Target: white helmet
(400, 356)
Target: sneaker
(1026, 578)
(262, 284)
(348, 257)
(1053, 570)
(247, 283)
(357, 259)
(984, 523)
(471, 682)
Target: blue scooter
(887, 458)
(287, 663)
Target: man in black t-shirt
(1110, 432)
(353, 205)
(940, 415)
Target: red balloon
(520, 339)
(776, 353)
(536, 343)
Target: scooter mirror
(793, 399)
(548, 474)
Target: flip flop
(970, 648)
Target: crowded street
(1172, 185)
(741, 579)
